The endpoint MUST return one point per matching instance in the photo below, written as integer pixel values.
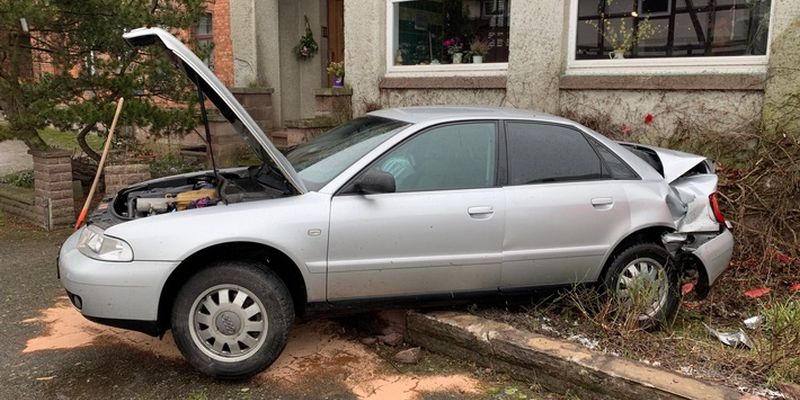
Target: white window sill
(447, 70)
(669, 66)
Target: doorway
(335, 34)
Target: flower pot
(618, 54)
(477, 59)
(338, 82)
(457, 58)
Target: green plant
(479, 47)
(173, 165)
(85, 65)
(621, 37)
(307, 47)
(336, 69)
(23, 179)
(779, 349)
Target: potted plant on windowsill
(337, 70)
(479, 49)
(454, 47)
(622, 37)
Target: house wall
(263, 46)
(536, 77)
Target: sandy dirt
(314, 348)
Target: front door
(335, 33)
(440, 232)
(565, 206)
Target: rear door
(564, 210)
(441, 232)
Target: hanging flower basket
(307, 47)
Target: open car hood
(222, 98)
(671, 164)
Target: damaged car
(419, 204)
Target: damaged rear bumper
(713, 251)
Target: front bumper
(112, 290)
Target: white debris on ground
(762, 392)
(687, 370)
(590, 344)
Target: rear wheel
(644, 280)
(232, 320)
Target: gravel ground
(50, 352)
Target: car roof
(424, 114)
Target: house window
(455, 34)
(625, 29)
(204, 39)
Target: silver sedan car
(423, 203)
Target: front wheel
(232, 320)
(643, 279)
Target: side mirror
(374, 181)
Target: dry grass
(760, 187)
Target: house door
(335, 33)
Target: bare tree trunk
(84, 145)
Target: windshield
(328, 155)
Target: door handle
(602, 203)
(480, 211)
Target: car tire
(232, 319)
(652, 261)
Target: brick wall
(121, 176)
(52, 174)
(223, 47)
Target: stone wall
(123, 175)
(54, 202)
(19, 202)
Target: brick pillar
(123, 175)
(52, 174)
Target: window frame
(199, 38)
(665, 65)
(392, 33)
(500, 160)
(605, 171)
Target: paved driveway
(14, 157)
(48, 351)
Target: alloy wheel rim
(649, 275)
(228, 323)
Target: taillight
(712, 198)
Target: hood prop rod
(204, 114)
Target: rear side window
(614, 166)
(549, 153)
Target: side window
(549, 153)
(460, 156)
(614, 166)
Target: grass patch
(67, 140)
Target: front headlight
(94, 244)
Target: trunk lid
(222, 98)
(692, 180)
(671, 164)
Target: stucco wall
(414, 97)
(364, 50)
(732, 111)
(536, 53)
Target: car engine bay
(191, 191)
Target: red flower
(648, 118)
